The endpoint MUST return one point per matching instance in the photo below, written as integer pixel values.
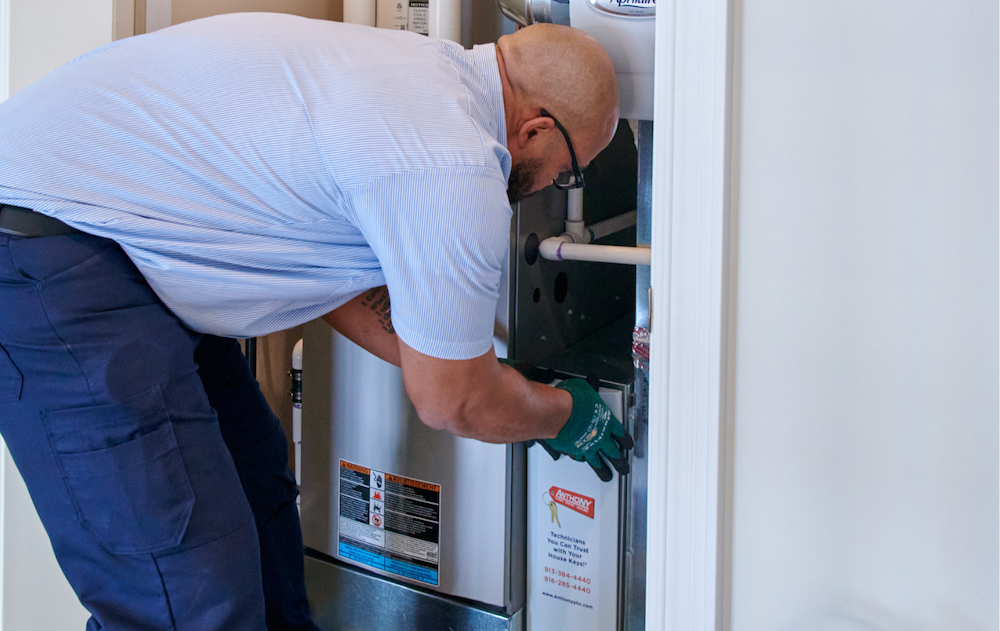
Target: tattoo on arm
(377, 301)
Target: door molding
(123, 18)
(4, 93)
(688, 532)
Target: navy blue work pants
(155, 464)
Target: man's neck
(509, 99)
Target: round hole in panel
(537, 295)
(562, 287)
(531, 249)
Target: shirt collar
(488, 90)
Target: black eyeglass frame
(577, 174)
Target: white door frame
(686, 565)
(4, 93)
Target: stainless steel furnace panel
(442, 522)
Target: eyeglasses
(567, 179)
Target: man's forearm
(483, 399)
(367, 321)
(520, 410)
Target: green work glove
(592, 431)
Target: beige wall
(481, 20)
(185, 10)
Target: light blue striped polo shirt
(263, 169)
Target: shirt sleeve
(440, 236)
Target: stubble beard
(522, 179)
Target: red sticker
(377, 495)
(580, 503)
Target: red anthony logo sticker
(580, 503)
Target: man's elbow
(457, 396)
(453, 416)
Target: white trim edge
(4, 93)
(684, 584)
(4, 49)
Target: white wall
(36, 596)
(45, 34)
(41, 35)
(866, 412)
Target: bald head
(569, 74)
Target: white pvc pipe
(445, 17)
(297, 410)
(560, 249)
(613, 225)
(574, 216)
(360, 12)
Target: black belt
(24, 222)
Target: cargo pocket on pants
(124, 472)
(11, 379)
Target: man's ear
(531, 129)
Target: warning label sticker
(389, 522)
